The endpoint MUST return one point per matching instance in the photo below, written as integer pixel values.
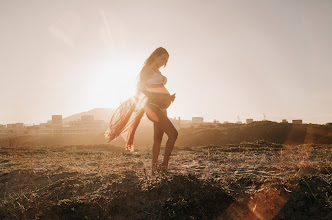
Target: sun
(115, 82)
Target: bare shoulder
(146, 72)
(146, 69)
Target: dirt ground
(258, 180)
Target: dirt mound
(310, 200)
(166, 197)
(175, 197)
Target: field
(251, 180)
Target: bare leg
(158, 136)
(164, 124)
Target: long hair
(156, 53)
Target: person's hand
(173, 97)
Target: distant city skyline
(262, 118)
(195, 119)
(227, 58)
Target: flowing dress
(128, 115)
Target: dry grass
(257, 180)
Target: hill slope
(99, 114)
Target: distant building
(226, 122)
(15, 126)
(197, 120)
(87, 125)
(180, 123)
(42, 125)
(15, 129)
(57, 119)
(249, 120)
(298, 121)
(284, 121)
(3, 131)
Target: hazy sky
(227, 58)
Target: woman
(152, 98)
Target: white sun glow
(115, 82)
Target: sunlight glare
(115, 82)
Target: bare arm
(145, 74)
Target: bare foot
(163, 168)
(154, 169)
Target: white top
(156, 79)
